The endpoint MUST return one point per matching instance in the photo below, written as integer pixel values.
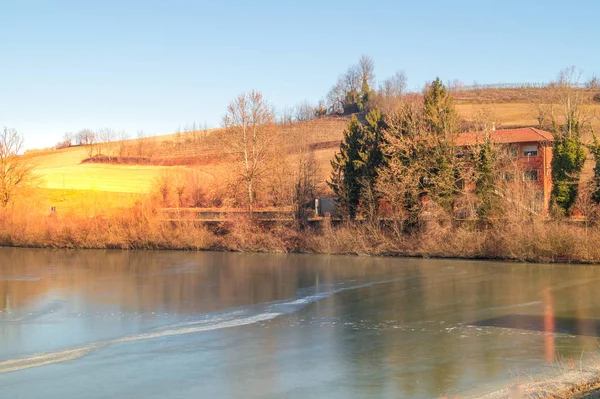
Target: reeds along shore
(141, 227)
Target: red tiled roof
(506, 136)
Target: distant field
(509, 114)
(78, 186)
(63, 169)
(511, 95)
(72, 186)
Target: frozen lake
(97, 324)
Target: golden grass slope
(63, 169)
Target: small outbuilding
(325, 206)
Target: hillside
(65, 181)
(70, 184)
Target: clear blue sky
(154, 65)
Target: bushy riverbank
(570, 379)
(530, 241)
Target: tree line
(407, 160)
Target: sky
(155, 66)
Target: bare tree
(320, 109)
(141, 144)
(163, 186)
(542, 108)
(570, 99)
(352, 78)
(366, 68)
(105, 138)
(286, 116)
(68, 139)
(485, 119)
(249, 132)
(394, 86)
(353, 87)
(180, 183)
(178, 138)
(336, 98)
(389, 96)
(593, 82)
(15, 171)
(88, 138)
(194, 187)
(306, 179)
(123, 137)
(347, 84)
(305, 112)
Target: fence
(458, 86)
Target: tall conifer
(567, 162)
(354, 168)
(440, 114)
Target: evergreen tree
(365, 95)
(595, 183)
(371, 155)
(345, 174)
(567, 162)
(420, 167)
(440, 114)
(371, 160)
(406, 160)
(355, 166)
(352, 102)
(568, 150)
(439, 117)
(441, 177)
(485, 178)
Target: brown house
(532, 149)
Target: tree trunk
(250, 196)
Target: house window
(530, 175)
(513, 151)
(530, 151)
(509, 176)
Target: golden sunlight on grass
(509, 114)
(75, 186)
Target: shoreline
(573, 384)
(409, 255)
(526, 242)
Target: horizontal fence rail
(500, 86)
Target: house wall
(541, 163)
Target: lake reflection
(186, 324)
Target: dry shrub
(245, 233)
(135, 228)
(195, 191)
(535, 241)
(162, 189)
(143, 226)
(355, 238)
(187, 188)
(531, 241)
